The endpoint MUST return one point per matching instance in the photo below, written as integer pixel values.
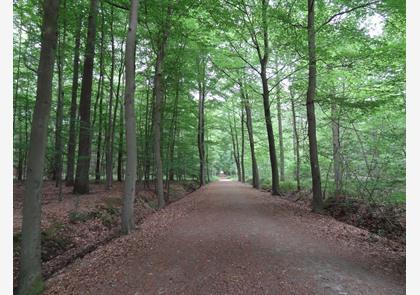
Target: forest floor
(75, 226)
(228, 238)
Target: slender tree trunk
(108, 159)
(100, 95)
(173, 130)
(159, 93)
(248, 112)
(296, 145)
(266, 100)
(15, 96)
(58, 171)
(281, 141)
(335, 128)
(22, 145)
(120, 145)
(207, 159)
(114, 120)
(235, 147)
(30, 277)
(81, 185)
(71, 146)
(146, 163)
(200, 134)
(242, 143)
(270, 135)
(310, 109)
(127, 219)
(27, 122)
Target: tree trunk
(270, 135)
(30, 277)
(100, 95)
(310, 109)
(159, 93)
(71, 146)
(81, 185)
(248, 112)
(146, 161)
(15, 96)
(114, 120)
(127, 219)
(108, 159)
(335, 128)
(266, 100)
(120, 145)
(235, 147)
(200, 134)
(281, 141)
(173, 130)
(58, 171)
(296, 145)
(242, 143)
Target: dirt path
(228, 238)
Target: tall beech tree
(158, 92)
(201, 69)
(127, 218)
(317, 202)
(71, 145)
(81, 185)
(30, 277)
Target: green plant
(77, 216)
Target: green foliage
(77, 216)
(363, 75)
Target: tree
(201, 65)
(30, 277)
(58, 164)
(310, 110)
(71, 146)
(81, 185)
(127, 219)
(157, 110)
(248, 112)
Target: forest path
(238, 240)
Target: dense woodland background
(220, 86)
(360, 93)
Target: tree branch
(347, 11)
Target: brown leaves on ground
(77, 225)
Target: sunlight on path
(222, 177)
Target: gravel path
(228, 238)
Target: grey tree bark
(58, 156)
(71, 146)
(248, 112)
(100, 98)
(201, 66)
(157, 111)
(242, 144)
(280, 127)
(108, 159)
(296, 144)
(81, 185)
(335, 128)
(30, 277)
(127, 219)
(317, 202)
(263, 56)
